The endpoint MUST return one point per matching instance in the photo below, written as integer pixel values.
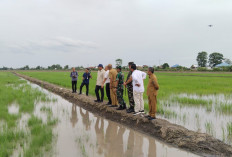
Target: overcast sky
(88, 32)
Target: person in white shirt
(107, 82)
(100, 78)
(138, 89)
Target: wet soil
(176, 135)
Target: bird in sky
(210, 25)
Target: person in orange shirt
(152, 92)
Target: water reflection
(74, 118)
(114, 140)
(85, 119)
(100, 135)
(152, 148)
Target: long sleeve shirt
(100, 77)
(137, 78)
(153, 86)
(107, 76)
(74, 75)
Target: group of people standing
(113, 79)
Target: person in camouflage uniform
(129, 86)
(119, 88)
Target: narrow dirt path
(176, 135)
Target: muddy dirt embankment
(176, 135)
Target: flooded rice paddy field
(56, 127)
(81, 133)
(206, 113)
(198, 101)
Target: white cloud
(58, 44)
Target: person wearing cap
(129, 86)
(113, 94)
(85, 81)
(74, 76)
(138, 89)
(119, 88)
(107, 82)
(152, 92)
(100, 78)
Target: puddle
(13, 109)
(205, 118)
(81, 133)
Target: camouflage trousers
(120, 96)
(130, 96)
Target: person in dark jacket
(74, 76)
(85, 82)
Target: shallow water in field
(206, 118)
(13, 109)
(81, 133)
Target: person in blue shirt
(74, 76)
(85, 82)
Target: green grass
(41, 137)
(46, 109)
(191, 102)
(209, 128)
(225, 108)
(16, 91)
(229, 129)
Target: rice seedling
(185, 101)
(40, 137)
(82, 146)
(17, 91)
(46, 109)
(229, 129)
(224, 108)
(223, 134)
(166, 112)
(209, 128)
(184, 118)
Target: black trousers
(74, 86)
(87, 88)
(108, 92)
(97, 88)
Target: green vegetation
(209, 128)
(202, 59)
(170, 83)
(191, 101)
(225, 108)
(32, 139)
(229, 129)
(81, 145)
(46, 109)
(41, 137)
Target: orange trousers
(152, 100)
(113, 96)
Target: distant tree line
(205, 63)
(213, 59)
(52, 67)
